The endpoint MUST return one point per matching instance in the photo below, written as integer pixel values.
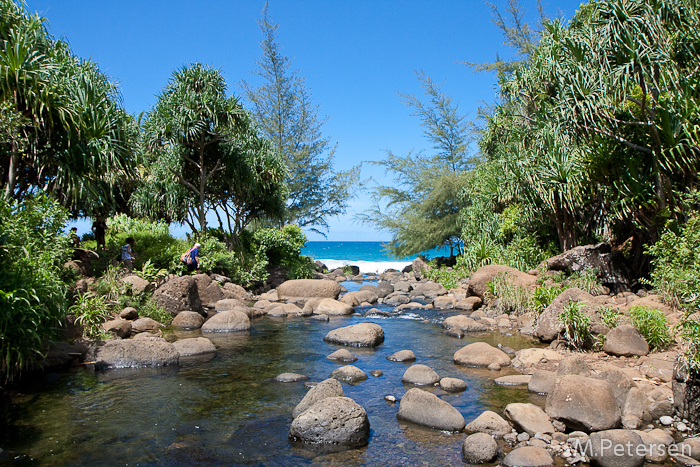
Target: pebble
(666, 420)
(390, 398)
(376, 373)
(523, 436)
(494, 367)
(681, 427)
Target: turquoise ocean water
(368, 256)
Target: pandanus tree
(203, 154)
(63, 130)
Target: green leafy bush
(653, 325)
(449, 278)
(512, 298)
(676, 264)
(609, 317)
(152, 240)
(283, 248)
(146, 307)
(32, 294)
(544, 295)
(577, 325)
(109, 285)
(90, 312)
(149, 272)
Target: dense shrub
(283, 248)
(511, 298)
(653, 325)
(152, 240)
(577, 325)
(32, 294)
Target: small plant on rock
(512, 298)
(150, 273)
(90, 312)
(544, 295)
(609, 317)
(577, 325)
(653, 325)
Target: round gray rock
(227, 321)
(357, 335)
(194, 346)
(452, 385)
(491, 423)
(188, 320)
(342, 355)
(625, 341)
(327, 388)
(616, 448)
(528, 418)
(478, 448)
(421, 375)
(402, 356)
(334, 420)
(424, 408)
(131, 353)
(289, 378)
(349, 374)
(583, 403)
(481, 354)
(308, 288)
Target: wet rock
(349, 374)
(616, 448)
(625, 341)
(528, 418)
(480, 354)
(489, 422)
(479, 448)
(227, 321)
(342, 355)
(452, 385)
(357, 335)
(145, 325)
(583, 403)
(332, 307)
(424, 408)
(376, 373)
(420, 375)
(188, 320)
(130, 353)
(464, 323)
(528, 456)
(194, 346)
(513, 380)
(402, 356)
(334, 420)
(290, 378)
(327, 388)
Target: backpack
(186, 258)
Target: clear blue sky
(354, 54)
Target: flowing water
(226, 410)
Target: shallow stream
(226, 410)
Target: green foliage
(512, 298)
(146, 307)
(653, 325)
(150, 273)
(676, 264)
(609, 317)
(689, 332)
(32, 294)
(283, 248)
(152, 240)
(90, 312)
(109, 285)
(544, 295)
(448, 277)
(586, 280)
(577, 325)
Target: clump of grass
(110, 285)
(585, 280)
(146, 307)
(653, 325)
(512, 298)
(577, 325)
(609, 317)
(544, 296)
(449, 278)
(90, 312)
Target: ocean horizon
(370, 257)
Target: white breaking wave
(366, 267)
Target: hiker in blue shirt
(191, 258)
(128, 254)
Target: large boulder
(227, 321)
(424, 408)
(548, 324)
(402, 356)
(625, 341)
(420, 375)
(481, 354)
(616, 448)
(130, 353)
(209, 291)
(583, 404)
(479, 448)
(120, 327)
(360, 297)
(528, 418)
(229, 304)
(308, 288)
(145, 325)
(357, 335)
(232, 290)
(491, 423)
(542, 381)
(327, 388)
(333, 420)
(342, 355)
(194, 346)
(178, 294)
(330, 307)
(137, 284)
(427, 290)
(188, 320)
(611, 265)
(485, 274)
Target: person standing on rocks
(128, 254)
(191, 258)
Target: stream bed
(225, 409)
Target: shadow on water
(225, 408)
